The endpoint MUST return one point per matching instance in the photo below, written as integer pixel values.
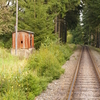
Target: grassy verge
(96, 49)
(10, 67)
(25, 79)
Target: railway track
(85, 84)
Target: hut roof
(30, 32)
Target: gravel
(96, 56)
(58, 89)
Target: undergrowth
(6, 40)
(95, 48)
(26, 79)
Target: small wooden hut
(25, 43)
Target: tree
(91, 20)
(39, 16)
(36, 19)
(67, 18)
(6, 17)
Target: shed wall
(23, 40)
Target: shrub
(46, 64)
(9, 89)
(8, 44)
(6, 40)
(1, 44)
(14, 95)
(42, 67)
(33, 85)
(9, 67)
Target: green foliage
(78, 36)
(6, 17)
(31, 86)
(6, 40)
(1, 44)
(69, 37)
(14, 95)
(91, 20)
(47, 61)
(9, 66)
(46, 64)
(24, 83)
(94, 48)
(40, 22)
(19, 83)
(41, 16)
(72, 18)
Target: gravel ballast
(96, 56)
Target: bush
(6, 40)
(33, 85)
(9, 68)
(44, 66)
(69, 37)
(1, 44)
(8, 44)
(9, 90)
(14, 95)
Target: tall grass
(23, 80)
(10, 66)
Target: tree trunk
(59, 27)
(56, 19)
(65, 26)
(97, 44)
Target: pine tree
(6, 18)
(39, 16)
(34, 16)
(91, 21)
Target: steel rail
(75, 75)
(94, 63)
(77, 68)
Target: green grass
(9, 70)
(10, 64)
(25, 79)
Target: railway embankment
(58, 89)
(96, 54)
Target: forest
(58, 26)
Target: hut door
(31, 41)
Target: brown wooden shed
(25, 43)
(25, 40)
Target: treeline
(43, 17)
(91, 22)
